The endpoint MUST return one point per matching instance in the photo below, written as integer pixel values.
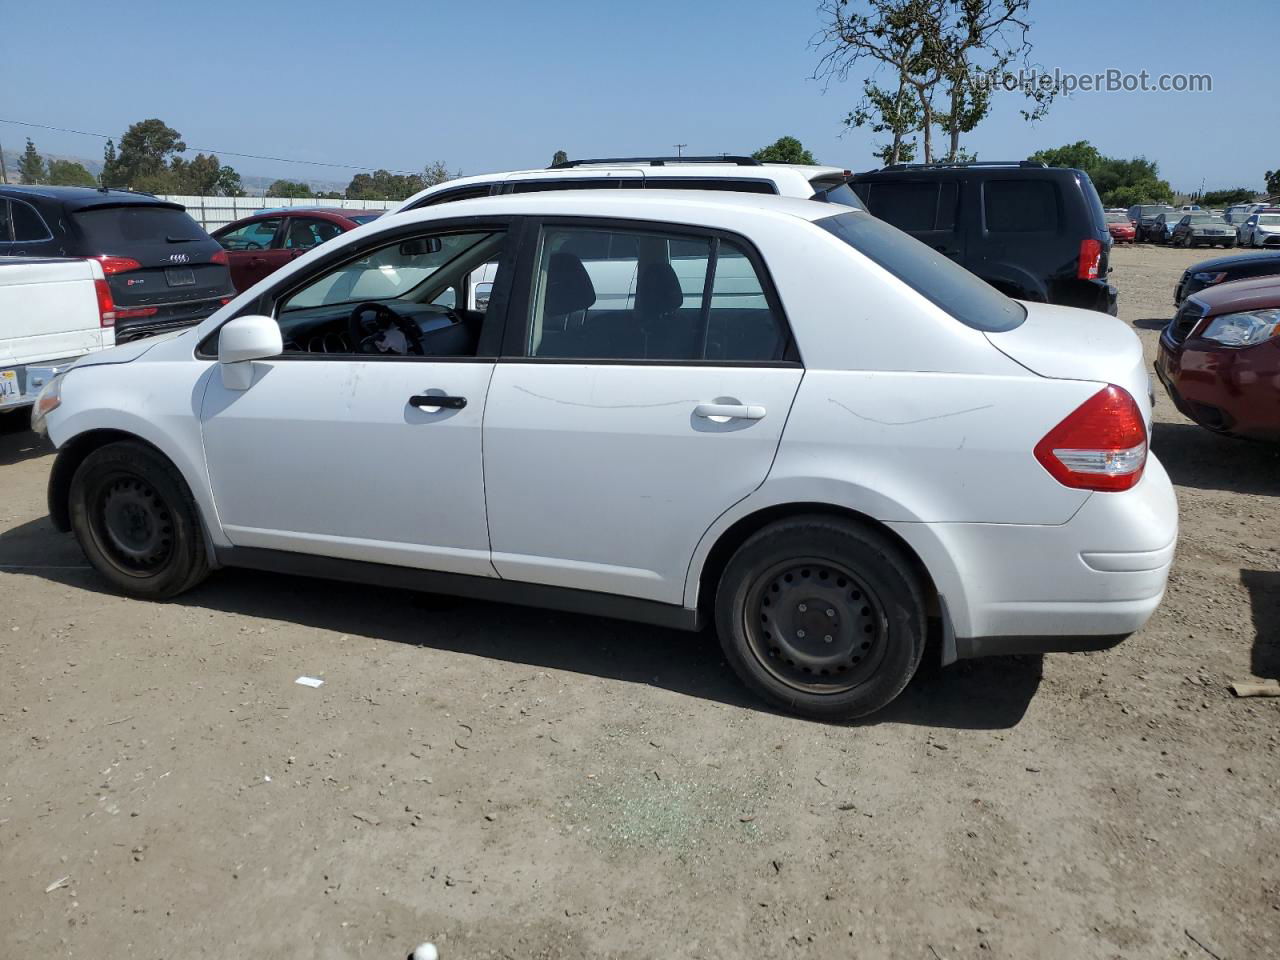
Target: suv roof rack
(942, 164)
(660, 161)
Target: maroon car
(1220, 358)
(266, 241)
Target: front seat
(300, 236)
(570, 293)
(658, 300)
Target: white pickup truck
(52, 312)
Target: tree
(197, 177)
(110, 165)
(559, 157)
(385, 185)
(437, 172)
(31, 165)
(1120, 183)
(68, 173)
(1225, 198)
(142, 162)
(229, 184)
(784, 150)
(897, 113)
(1273, 181)
(1081, 155)
(290, 188)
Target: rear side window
(1020, 206)
(914, 206)
(28, 226)
(585, 183)
(258, 235)
(934, 276)
(111, 229)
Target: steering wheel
(375, 328)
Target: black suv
(164, 271)
(1033, 232)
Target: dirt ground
(513, 783)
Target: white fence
(214, 212)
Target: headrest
(568, 286)
(658, 289)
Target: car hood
(1255, 293)
(126, 352)
(1067, 343)
(1236, 260)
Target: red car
(1121, 228)
(1220, 358)
(265, 242)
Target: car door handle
(437, 401)
(729, 411)
(257, 262)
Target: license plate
(9, 385)
(180, 276)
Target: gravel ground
(510, 783)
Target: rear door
(248, 247)
(157, 259)
(618, 429)
(924, 208)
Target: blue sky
(503, 85)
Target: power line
(223, 153)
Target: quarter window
(1020, 206)
(252, 236)
(638, 295)
(5, 233)
(28, 226)
(914, 206)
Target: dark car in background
(1210, 273)
(1219, 358)
(1033, 232)
(1144, 217)
(163, 270)
(263, 243)
(1203, 229)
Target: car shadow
(1200, 458)
(1152, 323)
(1264, 600)
(981, 695)
(18, 442)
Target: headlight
(47, 400)
(1242, 329)
(1208, 279)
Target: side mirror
(242, 340)
(420, 246)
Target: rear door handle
(428, 401)
(729, 411)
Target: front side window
(398, 299)
(28, 225)
(257, 235)
(632, 295)
(5, 228)
(1020, 206)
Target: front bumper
(31, 378)
(1224, 389)
(1081, 585)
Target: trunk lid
(176, 258)
(1067, 343)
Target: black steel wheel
(137, 522)
(821, 616)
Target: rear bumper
(167, 317)
(1082, 585)
(31, 378)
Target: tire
(137, 522)
(812, 574)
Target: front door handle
(729, 411)
(429, 401)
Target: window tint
(934, 276)
(448, 196)
(114, 229)
(671, 297)
(303, 233)
(252, 236)
(27, 224)
(948, 197)
(906, 205)
(1020, 206)
(5, 235)
(842, 194)
(708, 183)
(578, 183)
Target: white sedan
(782, 417)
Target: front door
(362, 440)
(253, 251)
(622, 427)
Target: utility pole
(679, 148)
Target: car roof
(79, 198)
(1251, 294)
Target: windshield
(1117, 218)
(1155, 211)
(1205, 218)
(1271, 219)
(366, 217)
(934, 276)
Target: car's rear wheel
(137, 522)
(821, 617)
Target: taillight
(136, 312)
(1102, 445)
(106, 306)
(1090, 258)
(220, 257)
(111, 265)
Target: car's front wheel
(137, 522)
(821, 617)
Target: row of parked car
(1245, 225)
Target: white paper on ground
(309, 682)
